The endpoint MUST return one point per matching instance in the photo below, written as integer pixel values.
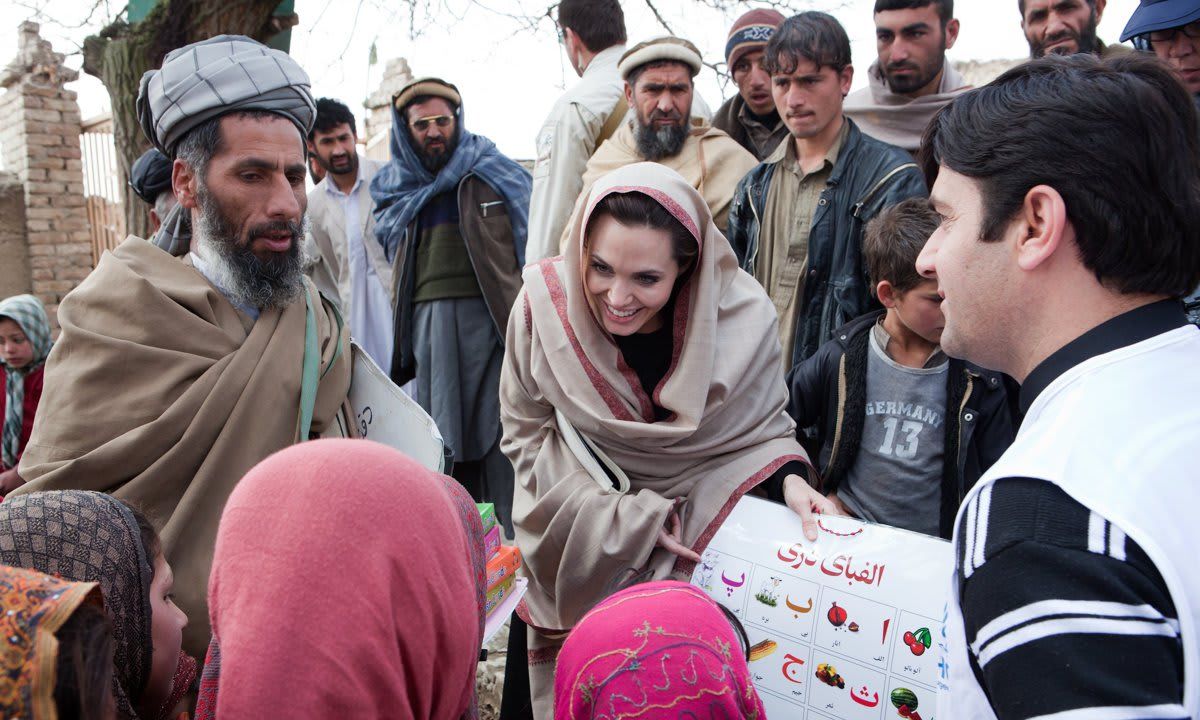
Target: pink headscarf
(657, 650)
(345, 584)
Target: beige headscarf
(727, 432)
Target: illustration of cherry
(918, 642)
(837, 616)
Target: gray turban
(220, 75)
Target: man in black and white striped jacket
(1069, 191)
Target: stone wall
(14, 254)
(39, 131)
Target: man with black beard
(173, 376)
(346, 262)
(659, 87)
(1064, 27)
(451, 217)
(910, 80)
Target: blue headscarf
(403, 186)
(28, 312)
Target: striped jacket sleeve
(1066, 617)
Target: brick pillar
(39, 130)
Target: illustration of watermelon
(905, 702)
(904, 696)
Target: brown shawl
(727, 432)
(710, 161)
(160, 392)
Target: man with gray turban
(174, 376)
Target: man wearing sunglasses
(451, 215)
(1171, 30)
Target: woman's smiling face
(630, 273)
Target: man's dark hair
(330, 114)
(945, 8)
(893, 240)
(600, 24)
(198, 147)
(1021, 5)
(1115, 138)
(814, 36)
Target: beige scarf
(728, 430)
(161, 393)
(710, 161)
(896, 119)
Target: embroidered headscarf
(28, 312)
(402, 187)
(90, 536)
(35, 607)
(662, 650)
(345, 583)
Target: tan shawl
(896, 119)
(728, 430)
(710, 161)
(161, 393)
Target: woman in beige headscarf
(641, 398)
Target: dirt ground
(489, 677)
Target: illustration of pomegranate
(836, 615)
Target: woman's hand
(670, 537)
(805, 501)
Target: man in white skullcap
(174, 376)
(659, 87)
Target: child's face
(15, 349)
(920, 310)
(167, 624)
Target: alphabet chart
(844, 628)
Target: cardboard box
(503, 565)
(496, 595)
(487, 513)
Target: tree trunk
(121, 53)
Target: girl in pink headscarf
(347, 582)
(662, 650)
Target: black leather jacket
(869, 176)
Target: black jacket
(869, 176)
(828, 401)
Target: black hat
(150, 175)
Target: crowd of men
(418, 262)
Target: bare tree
(121, 52)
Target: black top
(649, 355)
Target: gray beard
(248, 280)
(654, 145)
